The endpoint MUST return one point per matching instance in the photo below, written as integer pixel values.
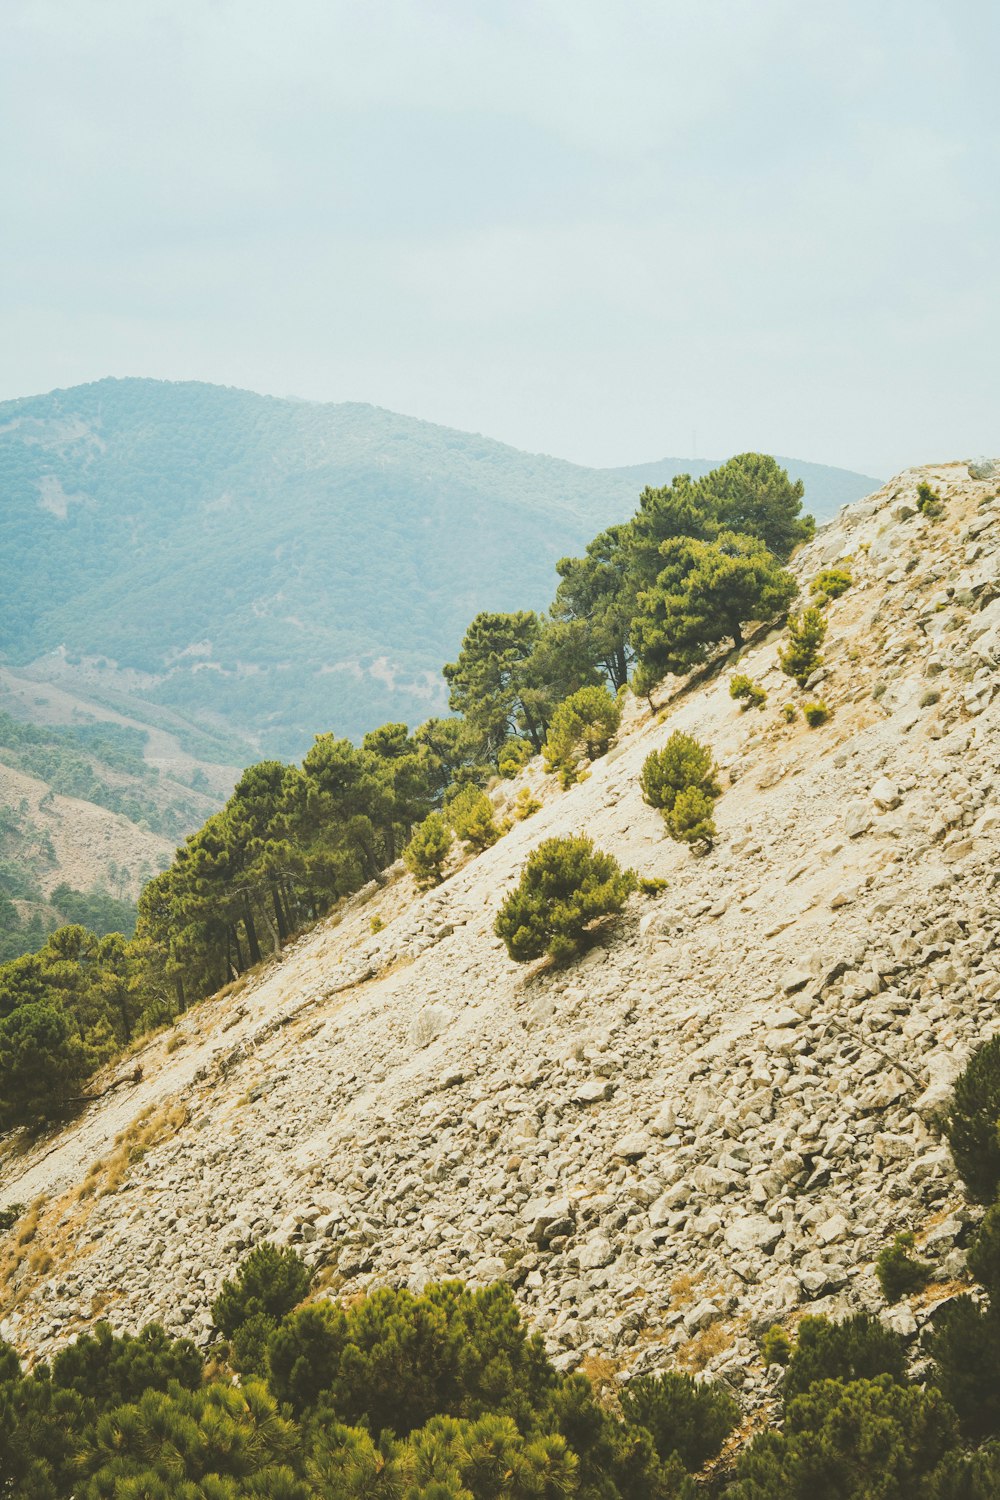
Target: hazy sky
(610, 232)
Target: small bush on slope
(973, 1122)
(582, 727)
(425, 854)
(806, 634)
(564, 887)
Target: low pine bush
(898, 1272)
(582, 728)
(470, 813)
(816, 713)
(830, 583)
(749, 693)
(565, 886)
(806, 634)
(425, 854)
(684, 1417)
(971, 1124)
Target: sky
(608, 232)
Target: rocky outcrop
(714, 1120)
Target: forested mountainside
(265, 569)
(738, 1122)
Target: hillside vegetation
(740, 1128)
(264, 568)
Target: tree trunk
(251, 932)
(279, 913)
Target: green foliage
(525, 805)
(683, 762)
(749, 693)
(43, 1064)
(898, 1272)
(565, 886)
(868, 1440)
(682, 781)
(973, 1122)
(427, 851)
(113, 1371)
(965, 1345)
(652, 885)
(470, 814)
(806, 634)
(831, 583)
(776, 1346)
(705, 592)
(271, 1281)
(789, 713)
(683, 1417)
(582, 728)
(984, 1254)
(858, 1348)
(815, 713)
(929, 502)
(690, 820)
(394, 1360)
(513, 757)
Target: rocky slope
(714, 1119)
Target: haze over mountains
(244, 571)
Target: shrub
(565, 886)
(113, 1371)
(750, 693)
(470, 813)
(789, 713)
(859, 1348)
(973, 1122)
(899, 1273)
(652, 885)
(776, 1346)
(806, 633)
(816, 713)
(525, 805)
(965, 1345)
(682, 763)
(682, 1416)
(581, 727)
(832, 582)
(690, 819)
(984, 1254)
(376, 925)
(395, 1360)
(427, 851)
(270, 1281)
(869, 1440)
(513, 757)
(929, 502)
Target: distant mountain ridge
(264, 568)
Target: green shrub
(682, 763)
(831, 582)
(750, 693)
(972, 1124)
(929, 502)
(270, 1281)
(789, 713)
(899, 1273)
(858, 1348)
(806, 633)
(776, 1346)
(652, 885)
(984, 1254)
(867, 1440)
(525, 805)
(582, 727)
(470, 813)
(112, 1371)
(376, 925)
(425, 854)
(690, 819)
(682, 1416)
(565, 886)
(816, 713)
(965, 1346)
(394, 1360)
(513, 757)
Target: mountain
(713, 1120)
(246, 571)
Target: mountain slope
(718, 1116)
(268, 569)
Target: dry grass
(699, 1351)
(149, 1128)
